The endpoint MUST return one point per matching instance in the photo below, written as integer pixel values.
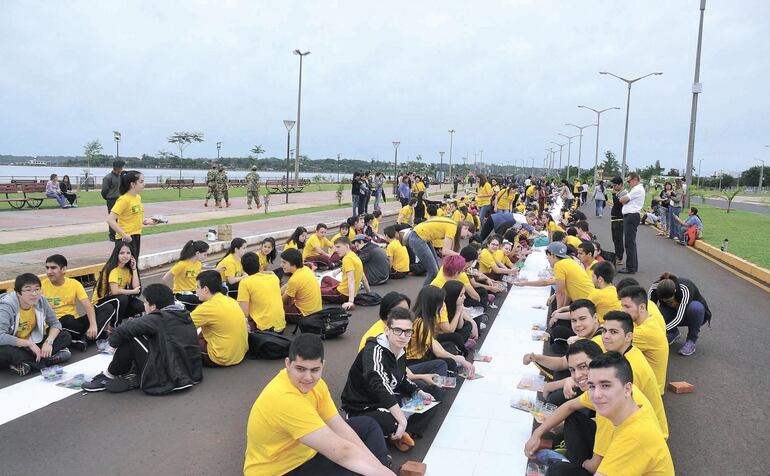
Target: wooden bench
(237, 182)
(33, 200)
(16, 202)
(87, 276)
(279, 186)
(178, 183)
(36, 200)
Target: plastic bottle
(725, 245)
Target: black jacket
(687, 292)
(377, 378)
(616, 213)
(174, 358)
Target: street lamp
(700, 161)
(598, 122)
(395, 168)
(219, 146)
(569, 151)
(299, 108)
(697, 87)
(549, 163)
(532, 170)
(289, 125)
(580, 145)
(440, 167)
(451, 136)
(338, 168)
(628, 106)
(561, 148)
(761, 174)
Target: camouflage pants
(223, 192)
(212, 192)
(252, 194)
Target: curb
(746, 268)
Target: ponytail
(192, 247)
(126, 179)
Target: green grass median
(53, 243)
(745, 230)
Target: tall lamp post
(629, 82)
(289, 125)
(532, 170)
(549, 163)
(580, 144)
(761, 174)
(700, 161)
(395, 167)
(696, 89)
(338, 168)
(569, 151)
(440, 168)
(598, 122)
(299, 109)
(561, 148)
(451, 136)
(219, 146)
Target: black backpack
(367, 299)
(268, 345)
(329, 322)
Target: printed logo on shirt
(55, 301)
(136, 208)
(190, 274)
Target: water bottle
(725, 245)
(211, 235)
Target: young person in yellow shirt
(605, 296)
(318, 248)
(505, 198)
(568, 276)
(572, 238)
(344, 291)
(551, 226)
(224, 337)
(586, 256)
(649, 333)
(490, 260)
(181, 278)
(301, 295)
(455, 213)
(259, 296)
(406, 215)
(230, 267)
(397, 254)
(266, 253)
(127, 215)
(297, 239)
(420, 241)
(294, 426)
(454, 268)
(484, 196)
(118, 285)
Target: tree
(672, 172)
(182, 140)
(418, 158)
(730, 196)
(610, 164)
(750, 177)
(256, 150)
(92, 151)
(651, 170)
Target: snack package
(532, 382)
(524, 401)
(74, 383)
(540, 336)
(479, 357)
(446, 382)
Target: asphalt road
(747, 207)
(719, 429)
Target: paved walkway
(747, 206)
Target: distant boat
(36, 163)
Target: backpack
(367, 299)
(268, 345)
(329, 322)
(691, 234)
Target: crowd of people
(606, 361)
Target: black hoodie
(377, 378)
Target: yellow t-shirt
(574, 241)
(27, 323)
(502, 257)
(263, 293)
(262, 261)
(334, 238)
(185, 274)
(376, 225)
(589, 268)
(120, 276)
(281, 415)
(233, 267)
(440, 212)
(62, 298)
(572, 273)
(504, 199)
(654, 312)
(576, 187)
(352, 234)
(289, 245)
(457, 216)
(553, 226)
(130, 212)
(351, 262)
(396, 251)
(637, 447)
(441, 278)
(486, 261)
(650, 339)
(420, 186)
(436, 229)
(405, 215)
(414, 349)
(486, 189)
(605, 300)
(531, 190)
(224, 328)
(376, 329)
(314, 241)
(304, 288)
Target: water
(9, 172)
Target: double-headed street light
(629, 82)
(299, 109)
(598, 122)
(219, 146)
(580, 144)
(569, 151)
(561, 148)
(451, 136)
(289, 125)
(395, 167)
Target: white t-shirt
(635, 199)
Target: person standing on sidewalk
(632, 202)
(127, 217)
(111, 189)
(355, 192)
(674, 209)
(600, 198)
(211, 179)
(222, 186)
(616, 219)
(377, 184)
(252, 187)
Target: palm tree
(256, 150)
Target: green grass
(153, 230)
(154, 195)
(745, 230)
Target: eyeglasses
(397, 331)
(31, 290)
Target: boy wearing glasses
(23, 317)
(377, 382)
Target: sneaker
(21, 370)
(60, 357)
(123, 384)
(97, 384)
(80, 344)
(672, 336)
(688, 348)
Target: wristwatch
(49, 341)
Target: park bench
(32, 194)
(178, 183)
(279, 186)
(237, 182)
(16, 201)
(87, 276)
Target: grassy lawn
(94, 198)
(743, 229)
(154, 230)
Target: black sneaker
(123, 384)
(21, 370)
(97, 384)
(60, 357)
(79, 344)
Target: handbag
(329, 322)
(268, 345)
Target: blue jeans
(377, 198)
(59, 198)
(424, 252)
(599, 207)
(673, 225)
(355, 204)
(483, 213)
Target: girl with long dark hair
(297, 239)
(127, 215)
(266, 253)
(182, 277)
(118, 283)
(230, 267)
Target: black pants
(451, 365)
(135, 244)
(617, 237)
(370, 433)
(71, 197)
(579, 433)
(483, 300)
(110, 204)
(106, 313)
(11, 355)
(453, 342)
(415, 425)
(630, 225)
(125, 306)
(190, 301)
(128, 354)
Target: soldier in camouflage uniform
(252, 187)
(222, 185)
(211, 184)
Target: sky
(505, 75)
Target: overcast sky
(506, 75)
